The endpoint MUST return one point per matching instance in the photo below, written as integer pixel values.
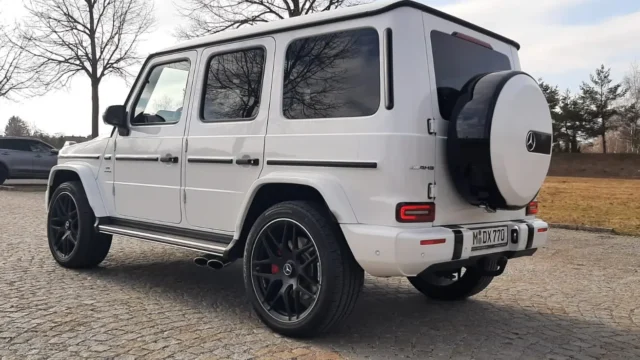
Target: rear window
(456, 61)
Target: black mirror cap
(55, 151)
(115, 115)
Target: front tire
(454, 286)
(4, 174)
(300, 276)
(73, 241)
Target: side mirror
(55, 151)
(116, 115)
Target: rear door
(227, 130)
(454, 58)
(17, 156)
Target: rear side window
(456, 61)
(333, 75)
(233, 86)
(14, 144)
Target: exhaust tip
(201, 261)
(215, 264)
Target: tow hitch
(484, 264)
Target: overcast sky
(562, 41)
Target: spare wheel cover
(499, 145)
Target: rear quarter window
(333, 75)
(456, 61)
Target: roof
(374, 8)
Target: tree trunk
(604, 143)
(95, 109)
(574, 145)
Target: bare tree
(13, 77)
(213, 16)
(93, 37)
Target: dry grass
(611, 203)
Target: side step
(190, 243)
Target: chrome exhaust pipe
(202, 260)
(216, 264)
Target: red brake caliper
(274, 269)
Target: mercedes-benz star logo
(531, 141)
(287, 269)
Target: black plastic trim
(473, 260)
(458, 244)
(531, 231)
(170, 230)
(323, 163)
(141, 158)
(388, 68)
(252, 162)
(209, 161)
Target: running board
(207, 246)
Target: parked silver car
(25, 158)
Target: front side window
(333, 75)
(456, 61)
(233, 86)
(36, 146)
(162, 98)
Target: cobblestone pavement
(578, 298)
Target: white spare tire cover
(499, 140)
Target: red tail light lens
(415, 212)
(532, 208)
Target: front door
(227, 130)
(147, 174)
(43, 159)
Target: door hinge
(431, 191)
(186, 145)
(184, 196)
(431, 126)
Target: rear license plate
(489, 238)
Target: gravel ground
(578, 298)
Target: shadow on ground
(393, 320)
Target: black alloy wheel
(63, 225)
(73, 239)
(286, 271)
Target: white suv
(389, 138)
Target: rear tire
(285, 298)
(73, 241)
(470, 284)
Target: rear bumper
(392, 251)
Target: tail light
(415, 212)
(532, 208)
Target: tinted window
(162, 98)
(456, 61)
(14, 144)
(37, 146)
(332, 75)
(233, 86)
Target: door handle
(248, 161)
(169, 159)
